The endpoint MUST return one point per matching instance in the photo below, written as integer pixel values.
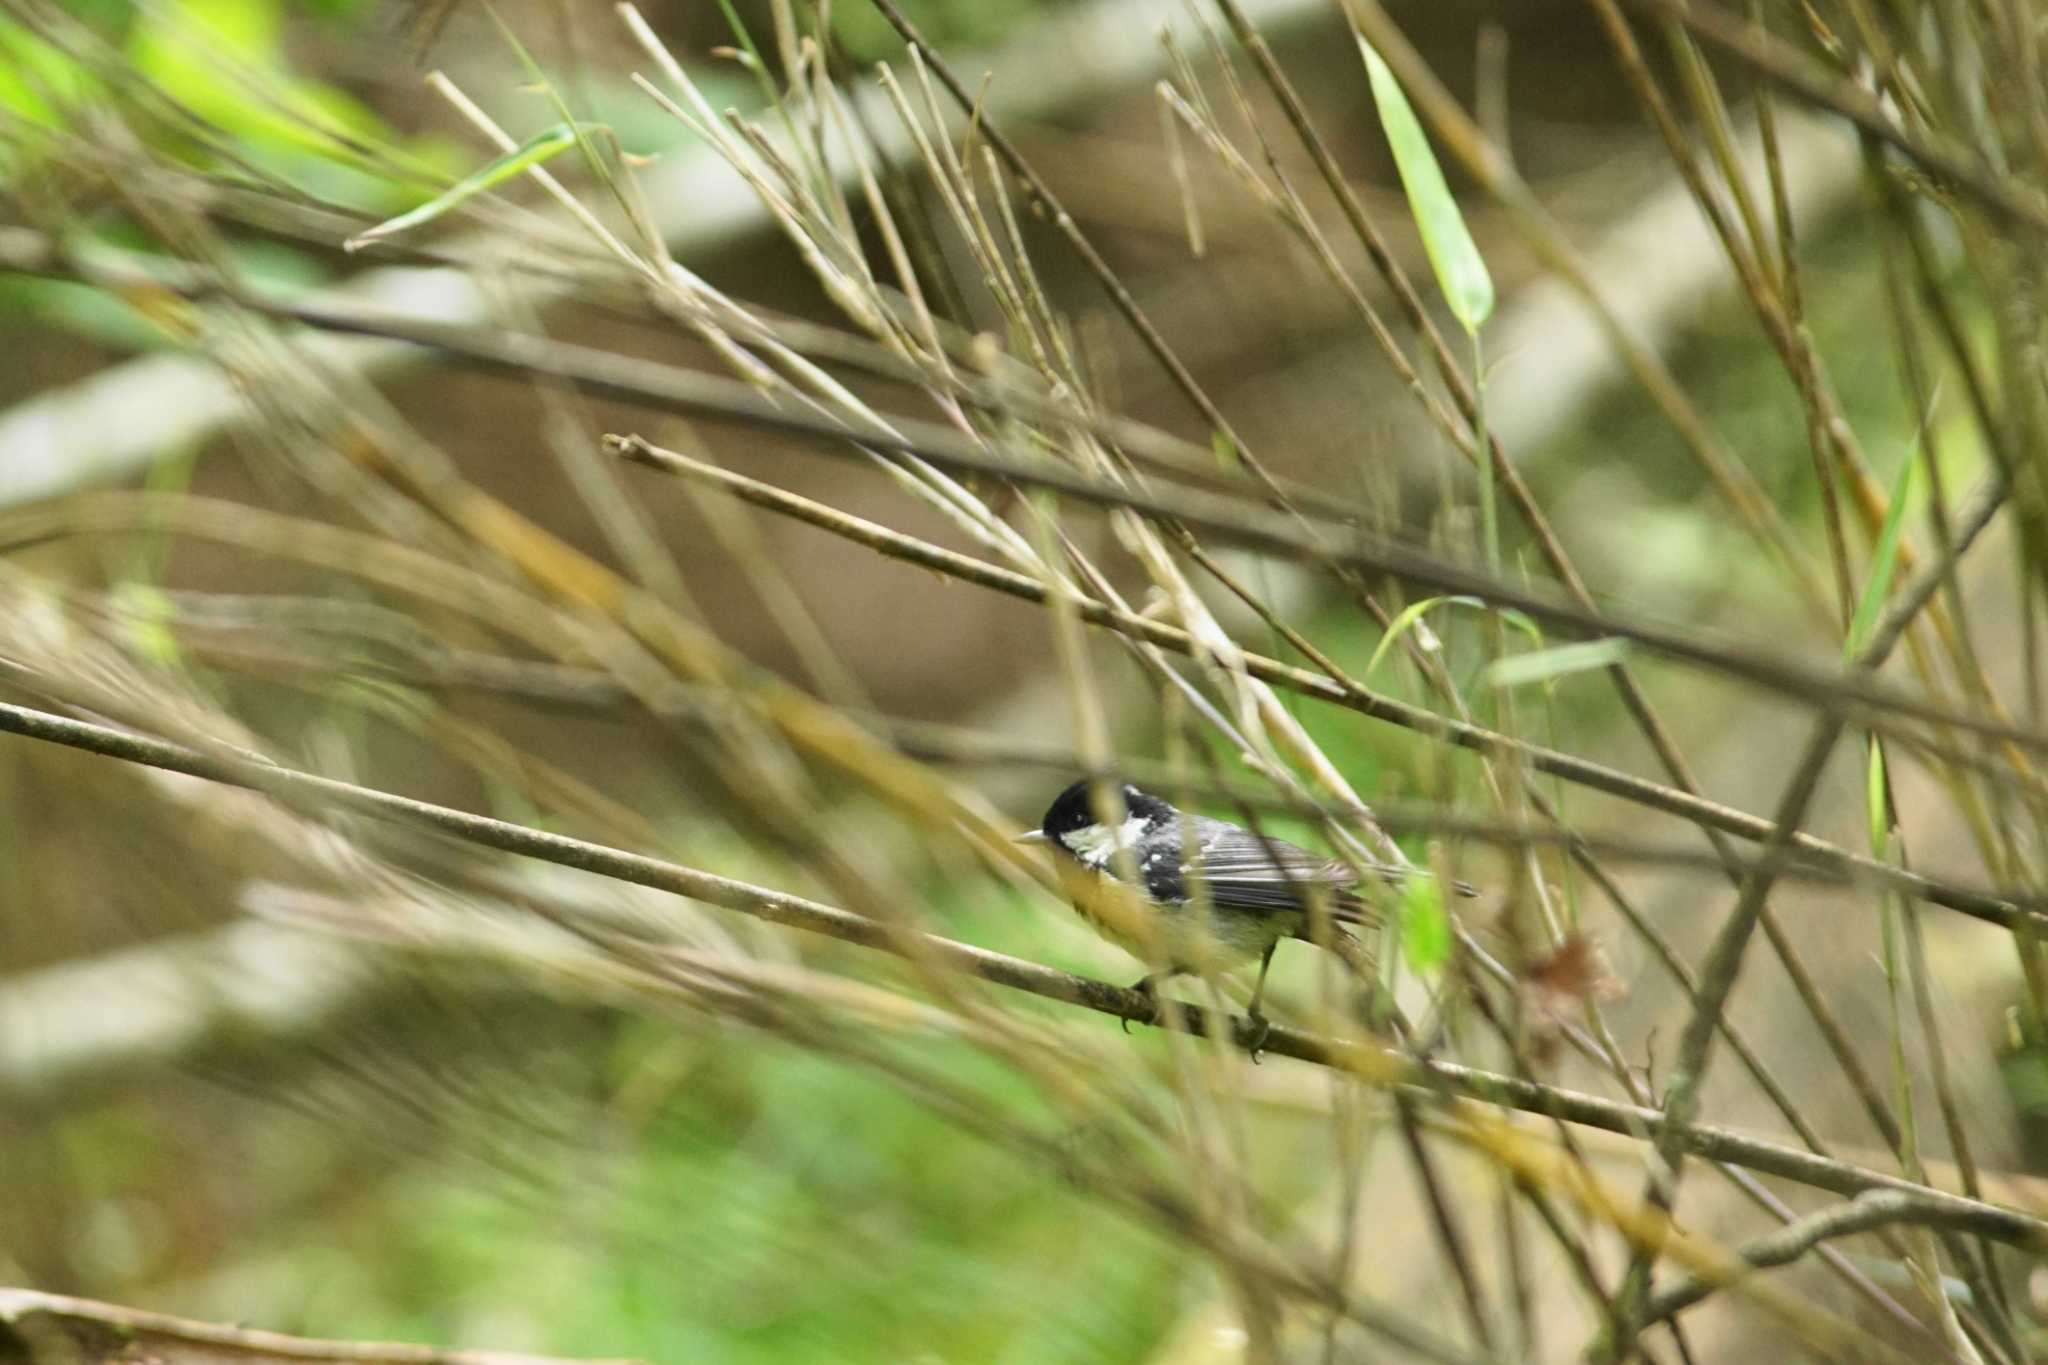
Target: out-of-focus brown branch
(1717, 978)
(1366, 1061)
(245, 526)
(248, 641)
(665, 387)
(62, 1330)
(1865, 1213)
(1570, 767)
(1790, 71)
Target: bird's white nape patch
(1095, 845)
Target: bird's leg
(1149, 988)
(1252, 1012)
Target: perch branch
(1367, 1061)
(60, 1328)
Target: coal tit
(1256, 890)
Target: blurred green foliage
(737, 1199)
(223, 61)
(1687, 546)
(775, 1206)
(215, 86)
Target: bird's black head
(1073, 810)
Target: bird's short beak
(1030, 836)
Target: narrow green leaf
(1884, 560)
(1425, 924)
(526, 155)
(541, 83)
(1412, 614)
(1544, 665)
(1400, 625)
(1460, 272)
(1523, 622)
(1877, 804)
(144, 613)
(750, 55)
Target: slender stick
(1717, 979)
(670, 388)
(1570, 767)
(1785, 68)
(90, 1332)
(1379, 1065)
(1865, 1213)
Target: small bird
(1256, 890)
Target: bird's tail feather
(1396, 876)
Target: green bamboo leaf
(541, 83)
(1400, 625)
(1413, 612)
(1425, 924)
(1884, 560)
(749, 55)
(144, 613)
(1460, 272)
(1523, 622)
(1877, 803)
(518, 161)
(1544, 665)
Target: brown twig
(59, 1327)
(1793, 73)
(1866, 1213)
(1570, 767)
(1368, 1062)
(631, 379)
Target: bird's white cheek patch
(1095, 845)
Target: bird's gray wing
(1254, 873)
(1239, 869)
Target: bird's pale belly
(1187, 936)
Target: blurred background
(265, 1061)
